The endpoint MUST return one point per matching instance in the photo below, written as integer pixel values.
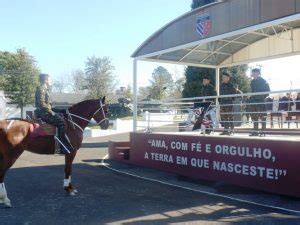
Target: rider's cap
(256, 70)
(226, 74)
(206, 77)
(43, 76)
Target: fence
(280, 116)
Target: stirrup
(63, 147)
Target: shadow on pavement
(108, 197)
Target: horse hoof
(72, 193)
(7, 204)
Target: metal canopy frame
(218, 51)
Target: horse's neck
(81, 116)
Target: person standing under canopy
(258, 102)
(208, 89)
(226, 104)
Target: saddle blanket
(38, 130)
(42, 130)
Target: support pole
(134, 95)
(218, 93)
(218, 81)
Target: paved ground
(105, 197)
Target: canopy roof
(239, 31)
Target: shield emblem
(203, 24)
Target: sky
(61, 34)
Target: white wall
(2, 106)
(13, 112)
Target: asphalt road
(34, 186)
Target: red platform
(270, 164)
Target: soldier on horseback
(45, 112)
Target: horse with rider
(51, 131)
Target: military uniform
(226, 107)
(44, 111)
(208, 90)
(43, 106)
(259, 85)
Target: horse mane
(63, 111)
(79, 104)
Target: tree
(178, 87)
(62, 84)
(99, 78)
(239, 77)
(194, 77)
(198, 3)
(161, 83)
(78, 83)
(19, 77)
(144, 93)
(128, 93)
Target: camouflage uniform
(43, 105)
(259, 85)
(44, 111)
(208, 90)
(227, 118)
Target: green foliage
(99, 78)
(144, 93)
(161, 83)
(193, 83)
(78, 81)
(178, 88)
(239, 77)
(128, 93)
(18, 77)
(198, 3)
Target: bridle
(99, 110)
(102, 112)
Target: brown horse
(18, 135)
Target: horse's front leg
(68, 187)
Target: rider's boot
(66, 146)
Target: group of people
(256, 102)
(287, 102)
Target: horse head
(100, 115)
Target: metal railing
(173, 115)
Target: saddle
(41, 129)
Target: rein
(88, 120)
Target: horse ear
(103, 100)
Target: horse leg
(68, 171)
(3, 194)
(5, 163)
